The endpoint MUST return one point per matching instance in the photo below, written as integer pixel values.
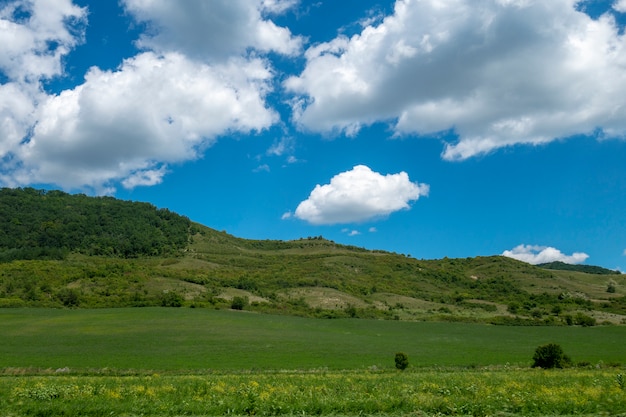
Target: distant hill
(62, 250)
(39, 224)
(589, 269)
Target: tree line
(41, 224)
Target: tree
(69, 297)
(171, 299)
(402, 361)
(550, 356)
(611, 286)
(239, 303)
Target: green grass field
(185, 339)
(422, 393)
(201, 362)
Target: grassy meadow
(173, 362)
(171, 339)
(500, 392)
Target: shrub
(171, 299)
(584, 320)
(611, 286)
(402, 361)
(239, 303)
(69, 297)
(550, 356)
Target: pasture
(173, 362)
(502, 392)
(171, 339)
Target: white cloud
(278, 6)
(125, 124)
(215, 29)
(373, 230)
(35, 35)
(262, 168)
(624, 252)
(497, 72)
(16, 116)
(620, 6)
(358, 195)
(145, 178)
(534, 255)
(281, 146)
(161, 107)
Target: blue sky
(460, 128)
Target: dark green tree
(239, 303)
(171, 299)
(550, 356)
(402, 361)
(69, 297)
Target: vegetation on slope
(131, 254)
(589, 269)
(39, 224)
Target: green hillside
(40, 224)
(77, 251)
(590, 269)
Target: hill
(43, 224)
(590, 269)
(102, 252)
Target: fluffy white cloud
(34, 38)
(214, 29)
(125, 124)
(358, 195)
(36, 34)
(197, 81)
(16, 109)
(497, 72)
(534, 255)
(620, 6)
(278, 6)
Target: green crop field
(201, 362)
(167, 339)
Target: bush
(69, 297)
(550, 356)
(402, 361)
(584, 320)
(171, 299)
(239, 303)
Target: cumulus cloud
(125, 124)
(497, 73)
(215, 29)
(534, 255)
(35, 35)
(196, 79)
(358, 195)
(620, 6)
(278, 6)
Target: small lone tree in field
(402, 361)
(239, 303)
(550, 356)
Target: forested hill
(58, 249)
(588, 269)
(39, 224)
